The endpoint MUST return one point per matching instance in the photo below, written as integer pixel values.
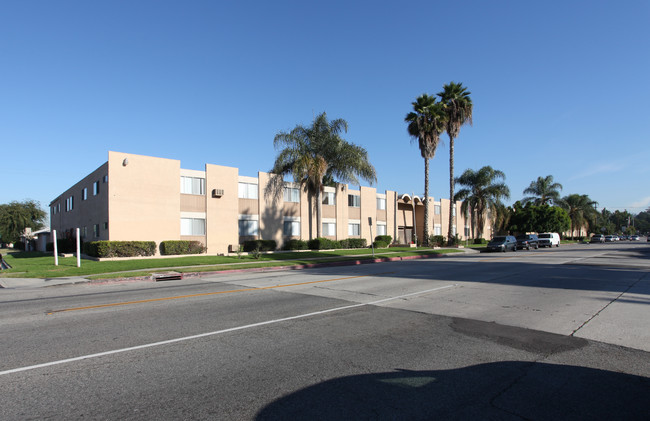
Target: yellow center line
(204, 294)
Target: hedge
(382, 241)
(295, 245)
(260, 245)
(354, 243)
(119, 248)
(323, 244)
(175, 247)
(63, 245)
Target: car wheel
(528, 248)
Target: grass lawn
(41, 265)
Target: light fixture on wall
(125, 162)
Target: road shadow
(503, 390)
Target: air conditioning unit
(217, 192)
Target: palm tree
(544, 191)
(580, 209)
(316, 153)
(426, 124)
(482, 192)
(458, 108)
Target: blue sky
(559, 87)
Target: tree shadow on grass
(503, 390)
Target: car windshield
(498, 239)
(545, 236)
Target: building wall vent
(217, 192)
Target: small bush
(260, 245)
(323, 244)
(437, 240)
(357, 243)
(382, 241)
(295, 245)
(480, 241)
(119, 248)
(175, 247)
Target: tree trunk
(425, 240)
(450, 236)
(319, 208)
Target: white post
(78, 250)
(56, 250)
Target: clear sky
(559, 87)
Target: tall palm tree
(458, 108)
(483, 191)
(580, 209)
(426, 124)
(543, 191)
(316, 153)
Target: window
(467, 232)
(247, 191)
(192, 185)
(381, 203)
(248, 228)
(84, 232)
(105, 225)
(329, 229)
(96, 231)
(84, 193)
(292, 228)
(436, 209)
(192, 226)
(354, 201)
(54, 209)
(381, 229)
(96, 188)
(354, 229)
(105, 179)
(453, 230)
(329, 198)
(69, 204)
(437, 230)
(291, 195)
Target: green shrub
(480, 241)
(295, 245)
(260, 245)
(382, 241)
(63, 245)
(437, 240)
(175, 247)
(323, 244)
(119, 248)
(357, 243)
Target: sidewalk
(17, 283)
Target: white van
(549, 239)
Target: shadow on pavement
(503, 390)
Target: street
(557, 333)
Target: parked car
(598, 238)
(527, 241)
(610, 238)
(502, 243)
(549, 239)
(635, 238)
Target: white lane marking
(218, 332)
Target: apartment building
(135, 197)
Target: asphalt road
(549, 334)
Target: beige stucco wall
(144, 198)
(85, 213)
(368, 210)
(222, 224)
